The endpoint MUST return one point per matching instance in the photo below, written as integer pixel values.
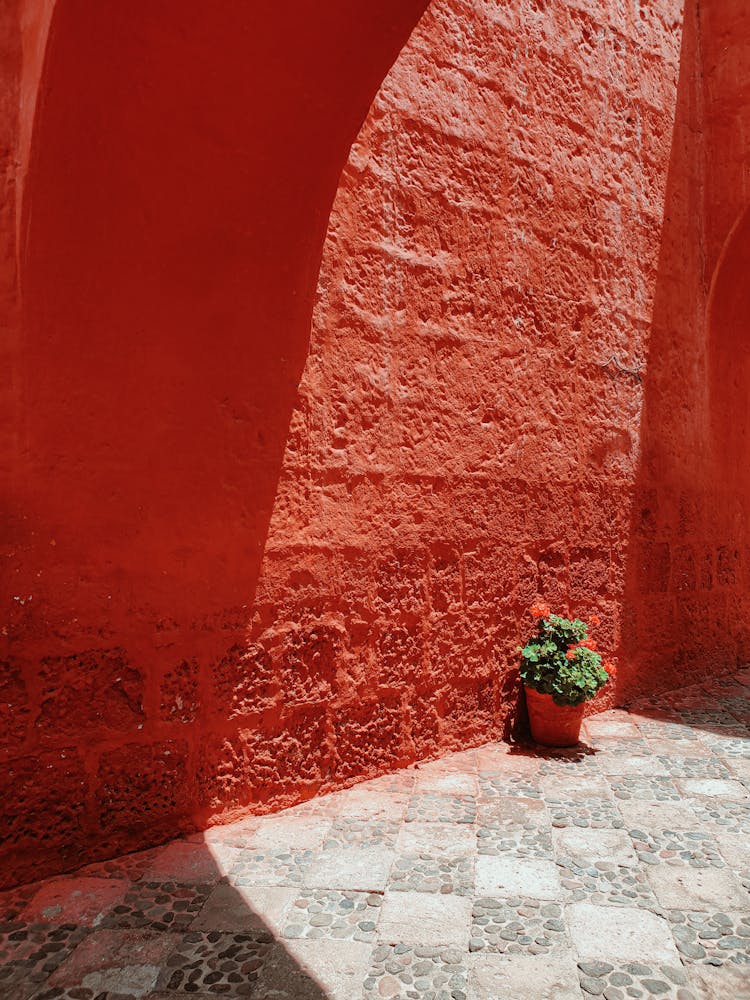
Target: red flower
(595, 620)
(588, 644)
(540, 610)
(571, 654)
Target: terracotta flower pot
(553, 725)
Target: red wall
(249, 556)
(687, 600)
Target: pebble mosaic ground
(616, 870)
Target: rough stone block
(97, 690)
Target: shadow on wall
(170, 919)
(184, 161)
(728, 332)
(687, 572)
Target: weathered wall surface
(243, 567)
(689, 565)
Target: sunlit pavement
(620, 869)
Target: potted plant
(560, 670)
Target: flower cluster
(561, 659)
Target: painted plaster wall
(252, 556)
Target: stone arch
(181, 170)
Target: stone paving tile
(14, 901)
(425, 919)
(513, 814)
(344, 832)
(724, 982)
(359, 803)
(614, 724)
(708, 720)
(706, 766)
(450, 783)
(75, 900)
(289, 833)
(574, 762)
(517, 926)
(320, 913)
(658, 789)
(639, 814)
(587, 847)
(738, 767)
(270, 867)
(712, 788)
(363, 869)
(116, 961)
(734, 849)
(245, 909)
(534, 842)
(30, 953)
(160, 906)
(606, 885)
(726, 817)
(436, 840)
(727, 743)
(227, 964)
(432, 808)
(626, 746)
(645, 765)
(302, 969)
(697, 888)
(634, 979)
(586, 811)
(508, 786)
(509, 876)
(129, 867)
(423, 873)
(676, 847)
(399, 782)
(402, 970)
(504, 759)
(620, 935)
(523, 977)
(712, 937)
(185, 862)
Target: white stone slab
(425, 918)
(729, 982)
(285, 832)
(735, 849)
(523, 977)
(437, 839)
(238, 909)
(712, 788)
(570, 787)
(312, 970)
(658, 816)
(362, 868)
(620, 934)
(635, 765)
(361, 803)
(450, 783)
(681, 887)
(510, 811)
(587, 846)
(509, 876)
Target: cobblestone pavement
(618, 869)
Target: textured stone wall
(252, 557)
